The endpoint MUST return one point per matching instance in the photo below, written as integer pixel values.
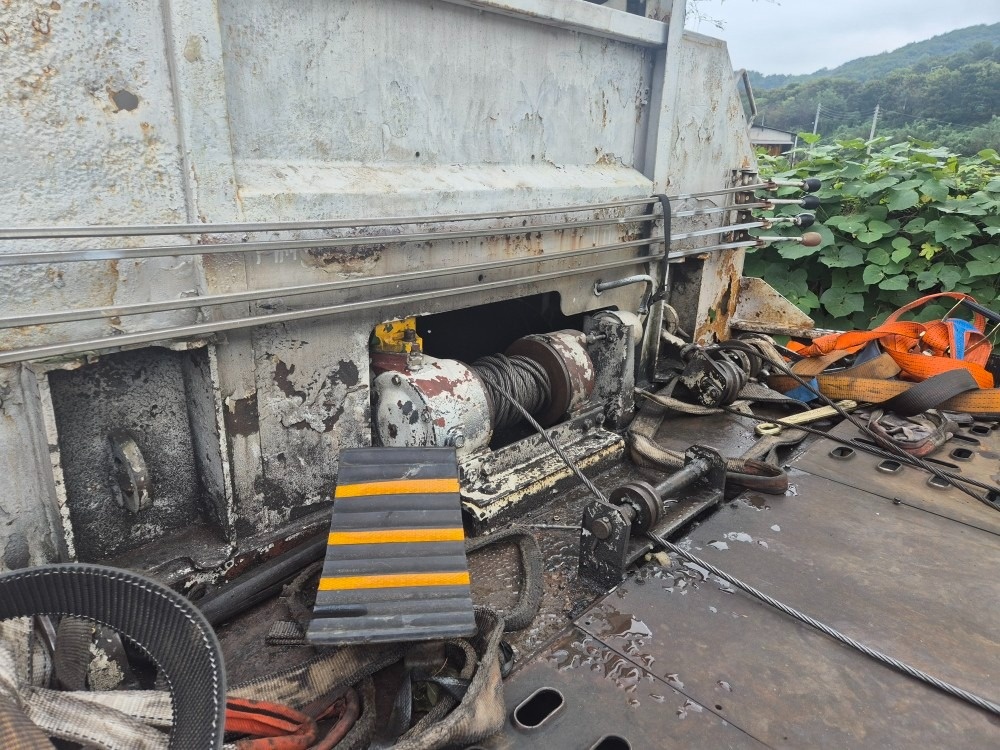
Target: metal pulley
(612, 532)
(714, 376)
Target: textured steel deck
(672, 659)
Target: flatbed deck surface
(674, 657)
(677, 658)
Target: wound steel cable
(524, 379)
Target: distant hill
(866, 68)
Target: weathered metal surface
(604, 23)
(564, 357)
(759, 307)
(908, 583)
(616, 338)
(436, 403)
(397, 108)
(910, 485)
(142, 394)
(502, 484)
(607, 694)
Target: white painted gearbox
(442, 402)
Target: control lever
(809, 202)
(808, 185)
(612, 534)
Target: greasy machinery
(195, 292)
(211, 293)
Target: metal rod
(718, 230)
(718, 209)
(602, 286)
(141, 230)
(709, 248)
(690, 473)
(198, 329)
(160, 251)
(143, 308)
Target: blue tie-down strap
(960, 329)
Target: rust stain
(42, 23)
(241, 416)
(282, 379)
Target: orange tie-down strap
(870, 383)
(922, 350)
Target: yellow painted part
(389, 336)
(397, 487)
(396, 536)
(394, 580)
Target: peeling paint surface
(145, 112)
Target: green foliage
(919, 54)
(909, 219)
(948, 100)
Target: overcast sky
(802, 36)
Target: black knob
(805, 220)
(809, 201)
(811, 185)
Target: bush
(906, 220)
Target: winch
(426, 401)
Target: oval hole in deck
(961, 454)
(939, 483)
(889, 466)
(538, 708)
(612, 742)
(842, 452)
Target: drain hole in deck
(939, 482)
(980, 429)
(965, 439)
(842, 452)
(534, 710)
(962, 454)
(612, 742)
(889, 466)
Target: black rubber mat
(395, 565)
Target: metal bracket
(607, 544)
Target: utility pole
(819, 107)
(871, 135)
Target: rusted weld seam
(256, 295)
(198, 329)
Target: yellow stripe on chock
(397, 487)
(393, 580)
(396, 536)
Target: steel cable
(918, 674)
(524, 379)
(903, 667)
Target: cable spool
(523, 378)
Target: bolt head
(601, 528)
(396, 380)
